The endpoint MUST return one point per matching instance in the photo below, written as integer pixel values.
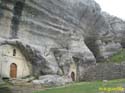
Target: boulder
(51, 80)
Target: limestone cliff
(55, 35)
(117, 27)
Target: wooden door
(13, 70)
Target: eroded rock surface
(117, 27)
(59, 36)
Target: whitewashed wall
(7, 58)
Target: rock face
(117, 27)
(61, 37)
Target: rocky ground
(22, 88)
(17, 90)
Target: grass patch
(5, 85)
(85, 87)
(5, 88)
(118, 57)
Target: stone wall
(105, 71)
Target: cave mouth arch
(73, 76)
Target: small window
(14, 52)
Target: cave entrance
(92, 45)
(73, 76)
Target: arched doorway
(13, 70)
(73, 76)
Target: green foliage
(85, 87)
(118, 57)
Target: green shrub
(118, 57)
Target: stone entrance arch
(73, 76)
(13, 70)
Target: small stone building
(73, 71)
(12, 63)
